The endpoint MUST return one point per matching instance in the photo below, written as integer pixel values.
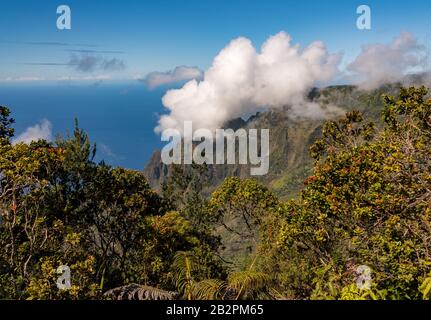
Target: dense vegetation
(290, 139)
(366, 204)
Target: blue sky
(112, 43)
(159, 35)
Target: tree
(59, 207)
(367, 203)
(6, 130)
(32, 233)
(239, 207)
(246, 200)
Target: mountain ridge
(290, 138)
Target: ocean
(120, 117)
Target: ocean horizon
(119, 116)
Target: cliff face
(290, 138)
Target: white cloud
(242, 80)
(41, 131)
(22, 79)
(106, 151)
(182, 73)
(85, 78)
(382, 63)
(100, 77)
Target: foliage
(238, 208)
(6, 130)
(58, 207)
(139, 292)
(245, 284)
(367, 203)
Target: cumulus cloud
(242, 80)
(382, 63)
(181, 73)
(40, 131)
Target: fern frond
(183, 266)
(138, 292)
(248, 282)
(209, 289)
(425, 288)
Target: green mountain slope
(290, 139)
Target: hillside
(366, 205)
(290, 139)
